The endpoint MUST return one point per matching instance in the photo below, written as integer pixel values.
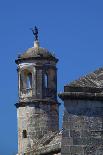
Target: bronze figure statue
(35, 32)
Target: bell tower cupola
(37, 107)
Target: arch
(21, 83)
(25, 83)
(46, 80)
(29, 80)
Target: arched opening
(25, 83)
(29, 81)
(46, 80)
(21, 83)
(29, 84)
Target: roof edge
(83, 89)
(19, 60)
(81, 96)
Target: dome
(36, 52)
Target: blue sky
(73, 29)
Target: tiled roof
(94, 80)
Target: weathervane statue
(35, 33)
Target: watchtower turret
(37, 107)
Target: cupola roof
(36, 52)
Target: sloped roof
(89, 87)
(34, 52)
(94, 79)
(49, 143)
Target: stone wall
(37, 119)
(37, 107)
(82, 128)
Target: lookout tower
(37, 107)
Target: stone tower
(37, 107)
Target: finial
(35, 33)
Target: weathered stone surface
(82, 127)
(83, 116)
(36, 54)
(49, 144)
(89, 87)
(37, 121)
(94, 79)
(37, 107)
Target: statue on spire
(35, 33)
